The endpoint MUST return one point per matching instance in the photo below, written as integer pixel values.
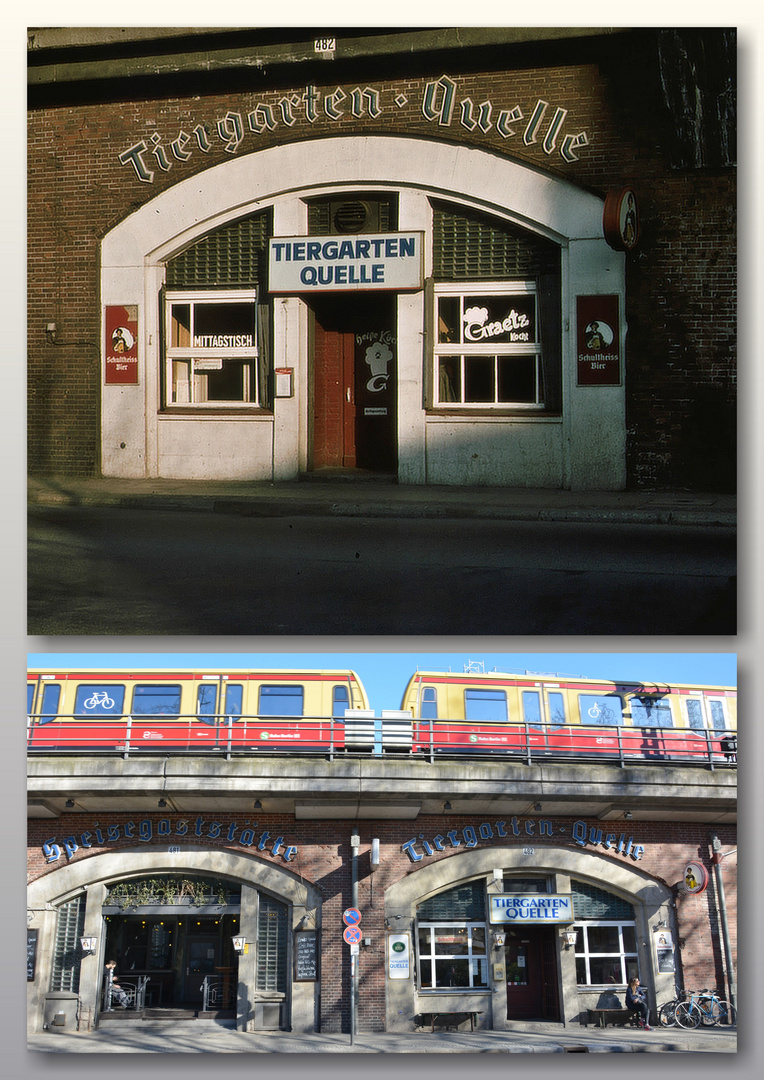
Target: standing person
(635, 1000)
(114, 990)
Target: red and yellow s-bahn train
(531, 717)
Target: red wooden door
(333, 396)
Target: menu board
(306, 955)
(31, 954)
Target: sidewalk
(340, 495)
(209, 1037)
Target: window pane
(581, 979)
(340, 701)
(532, 708)
(449, 379)
(508, 318)
(223, 380)
(485, 705)
(426, 969)
(99, 700)
(451, 941)
(429, 703)
(651, 712)
(629, 938)
(718, 722)
(280, 701)
(30, 696)
(480, 971)
(517, 379)
(478, 939)
(479, 378)
(181, 382)
(156, 701)
(695, 713)
(596, 709)
(604, 969)
(234, 693)
(556, 709)
(452, 973)
(448, 319)
(180, 326)
(51, 696)
(206, 702)
(603, 939)
(226, 320)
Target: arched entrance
(514, 972)
(268, 894)
(518, 436)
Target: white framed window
(487, 347)
(606, 952)
(452, 956)
(211, 348)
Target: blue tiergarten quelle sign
(469, 836)
(145, 830)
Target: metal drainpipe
(716, 858)
(355, 843)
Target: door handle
(347, 394)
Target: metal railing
(329, 737)
(127, 994)
(218, 992)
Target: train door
(531, 972)
(354, 382)
(545, 719)
(218, 707)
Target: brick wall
(681, 280)
(323, 860)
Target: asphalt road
(120, 572)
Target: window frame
(192, 354)
(462, 350)
(623, 955)
(471, 957)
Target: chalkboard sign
(31, 954)
(306, 955)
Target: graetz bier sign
(299, 264)
(531, 908)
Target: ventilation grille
(589, 902)
(70, 925)
(328, 217)
(472, 246)
(235, 255)
(272, 945)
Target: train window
(340, 701)
(99, 700)
(716, 710)
(156, 701)
(428, 706)
(600, 709)
(556, 709)
(485, 705)
(30, 696)
(532, 709)
(234, 695)
(281, 701)
(695, 713)
(206, 703)
(51, 696)
(651, 712)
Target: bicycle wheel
(667, 1014)
(687, 1014)
(725, 1013)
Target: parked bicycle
(704, 1008)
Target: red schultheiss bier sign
(121, 345)
(598, 341)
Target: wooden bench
(622, 1016)
(471, 1013)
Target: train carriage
(184, 710)
(555, 716)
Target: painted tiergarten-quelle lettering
(443, 257)
(518, 848)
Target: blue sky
(385, 674)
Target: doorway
(531, 970)
(354, 382)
